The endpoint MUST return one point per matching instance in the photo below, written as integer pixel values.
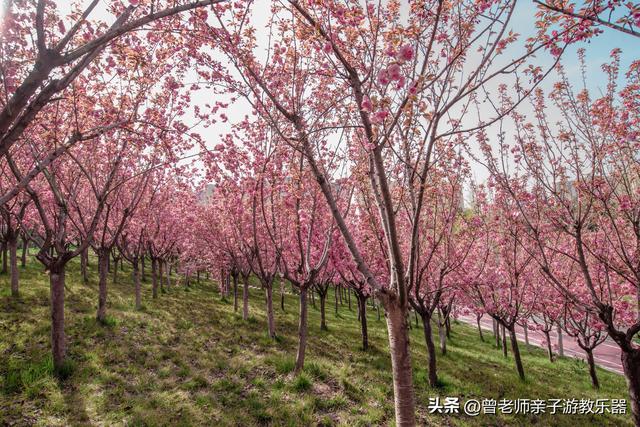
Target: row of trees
(349, 171)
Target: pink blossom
(380, 116)
(405, 53)
(383, 77)
(394, 72)
(366, 104)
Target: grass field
(188, 359)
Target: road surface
(606, 355)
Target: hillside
(187, 359)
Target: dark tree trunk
(281, 297)
(362, 309)
(245, 297)
(84, 261)
(526, 333)
(58, 344)
(323, 315)
(235, 292)
(167, 268)
(431, 349)
(270, 320)
(198, 277)
(161, 274)
(479, 328)
(631, 368)
(549, 350)
(4, 258)
(103, 265)
(13, 263)
(516, 351)
(136, 281)
(302, 330)
(143, 274)
(403, 393)
(154, 277)
(25, 251)
(592, 368)
(447, 325)
(504, 340)
(115, 270)
(336, 295)
(496, 332)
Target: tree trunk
(336, 295)
(84, 262)
(154, 277)
(526, 333)
(323, 316)
(161, 274)
(235, 293)
(245, 297)
(398, 333)
(302, 330)
(431, 349)
(516, 351)
(25, 250)
(58, 345)
(13, 263)
(442, 335)
(313, 298)
(103, 265)
(281, 297)
(560, 346)
(115, 270)
(447, 325)
(136, 281)
(270, 321)
(504, 340)
(362, 309)
(169, 267)
(496, 332)
(592, 368)
(479, 328)
(4, 258)
(631, 368)
(549, 350)
(143, 274)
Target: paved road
(606, 355)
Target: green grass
(188, 359)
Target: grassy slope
(187, 359)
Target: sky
(597, 52)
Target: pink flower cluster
(393, 73)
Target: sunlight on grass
(188, 359)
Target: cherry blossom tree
(579, 200)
